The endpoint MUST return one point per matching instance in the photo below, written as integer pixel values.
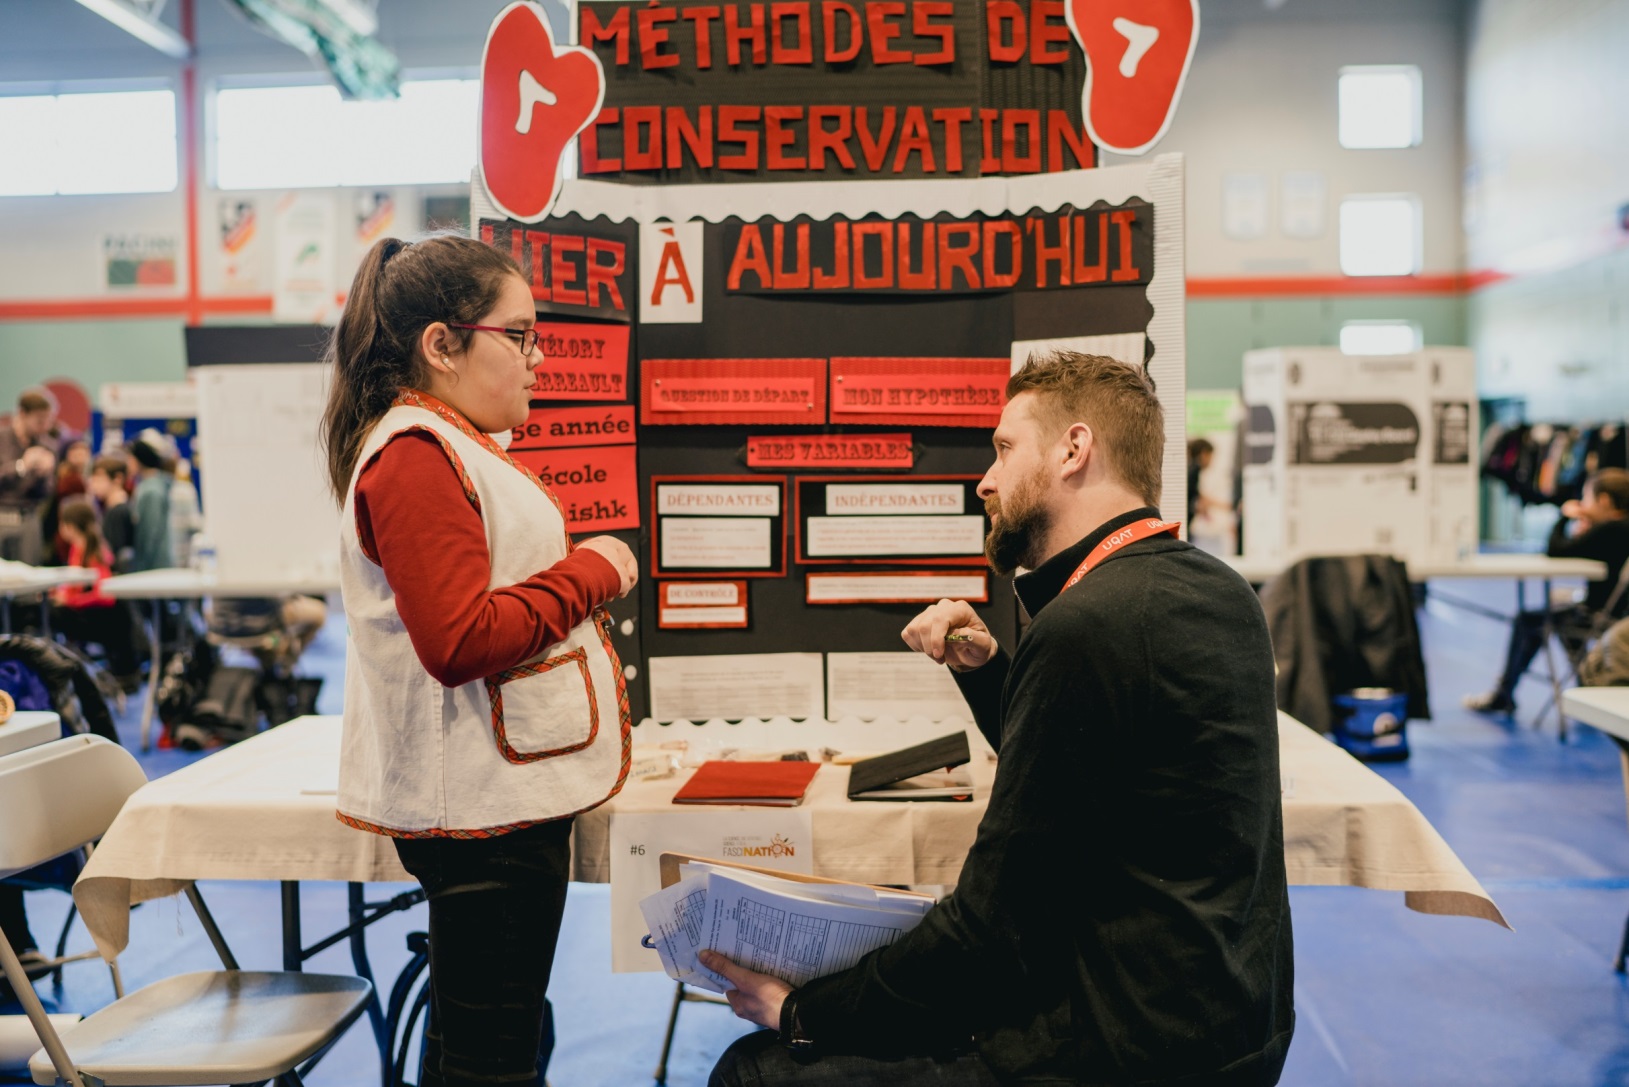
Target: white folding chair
(213, 1027)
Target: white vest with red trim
(543, 740)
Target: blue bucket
(1372, 722)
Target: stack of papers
(792, 930)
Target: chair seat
(217, 1027)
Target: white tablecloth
(264, 810)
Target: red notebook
(780, 784)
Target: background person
(1595, 526)
(1122, 916)
(81, 612)
(27, 460)
(107, 485)
(150, 505)
(483, 699)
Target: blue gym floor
(1384, 996)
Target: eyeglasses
(526, 337)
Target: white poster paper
(733, 686)
(873, 499)
(304, 284)
(895, 588)
(716, 543)
(1246, 203)
(1303, 200)
(670, 273)
(717, 500)
(702, 617)
(779, 838)
(848, 537)
(1125, 346)
(891, 685)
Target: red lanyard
(1142, 530)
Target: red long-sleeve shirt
(412, 513)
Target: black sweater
(1122, 916)
(1607, 541)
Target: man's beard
(1018, 529)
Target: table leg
(155, 669)
(293, 949)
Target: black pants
(112, 627)
(759, 1060)
(1527, 633)
(14, 919)
(495, 910)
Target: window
(1380, 106)
(307, 136)
(90, 142)
(1380, 235)
(1380, 337)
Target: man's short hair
(33, 400)
(1614, 484)
(111, 465)
(1115, 399)
(1198, 447)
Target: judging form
(793, 931)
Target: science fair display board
(808, 245)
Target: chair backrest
(59, 796)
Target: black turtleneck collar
(1037, 588)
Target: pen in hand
(958, 636)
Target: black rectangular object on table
(880, 770)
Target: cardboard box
(1340, 454)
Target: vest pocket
(545, 708)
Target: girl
(484, 704)
(81, 612)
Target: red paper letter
(1060, 133)
(671, 272)
(952, 120)
(925, 10)
(536, 245)
(735, 34)
(652, 37)
(777, 139)
(1045, 253)
(999, 13)
(874, 149)
(1127, 272)
(650, 157)
(703, 18)
(913, 136)
(1092, 273)
(589, 146)
(601, 275)
(838, 277)
(698, 139)
(828, 14)
(750, 257)
(1011, 163)
(884, 234)
(991, 162)
(779, 50)
(616, 30)
(925, 279)
(992, 230)
(1046, 27)
(877, 12)
(564, 272)
(728, 118)
(798, 277)
(835, 141)
(958, 258)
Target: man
(26, 466)
(1122, 916)
(107, 485)
(1593, 527)
(153, 458)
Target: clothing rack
(1547, 463)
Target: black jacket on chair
(1339, 623)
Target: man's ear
(1076, 447)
